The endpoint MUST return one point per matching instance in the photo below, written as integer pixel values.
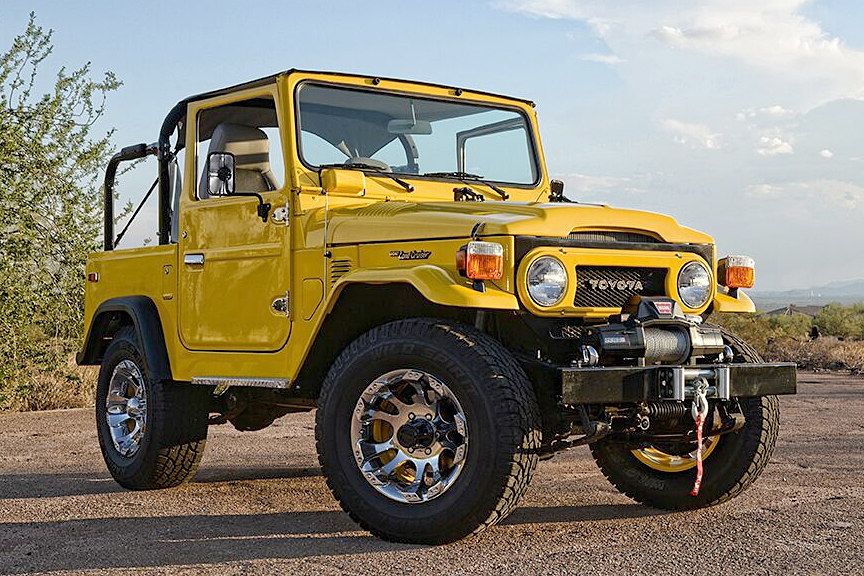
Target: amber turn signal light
(736, 272)
(481, 260)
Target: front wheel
(662, 476)
(427, 431)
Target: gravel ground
(260, 505)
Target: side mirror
(556, 189)
(220, 174)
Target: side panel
(134, 280)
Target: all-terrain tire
(172, 441)
(735, 463)
(502, 418)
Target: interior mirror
(409, 126)
(220, 173)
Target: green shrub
(50, 214)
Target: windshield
(412, 135)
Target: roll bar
(161, 149)
(133, 152)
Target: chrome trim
(528, 278)
(409, 436)
(126, 408)
(193, 259)
(683, 378)
(709, 293)
(280, 383)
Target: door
(234, 267)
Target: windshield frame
(532, 144)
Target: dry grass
(70, 386)
(825, 353)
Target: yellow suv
(395, 255)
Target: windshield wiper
(365, 166)
(464, 177)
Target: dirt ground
(260, 505)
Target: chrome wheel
(409, 436)
(126, 408)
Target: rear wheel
(152, 433)
(427, 431)
(662, 476)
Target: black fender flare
(148, 327)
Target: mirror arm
(263, 207)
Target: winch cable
(699, 412)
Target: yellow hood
(401, 221)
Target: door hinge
(281, 305)
(280, 215)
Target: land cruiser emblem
(602, 284)
(410, 254)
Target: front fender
(727, 303)
(434, 283)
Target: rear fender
(143, 315)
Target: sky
(743, 119)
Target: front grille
(611, 237)
(612, 286)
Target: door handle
(193, 259)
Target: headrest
(250, 146)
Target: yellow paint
(312, 295)
(219, 319)
(573, 257)
(343, 182)
(169, 282)
(725, 303)
(659, 460)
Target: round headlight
(694, 284)
(547, 281)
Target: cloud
(771, 36)
(812, 193)
(610, 59)
(693, 135)
(587, 183)
(773, 145)
(766, 113)
(598, 188)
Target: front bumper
(621, 385)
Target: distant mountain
(845, 292)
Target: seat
(251, 150)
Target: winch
(652, 331)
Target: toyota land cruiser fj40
(406, 267)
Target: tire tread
(508, 391)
